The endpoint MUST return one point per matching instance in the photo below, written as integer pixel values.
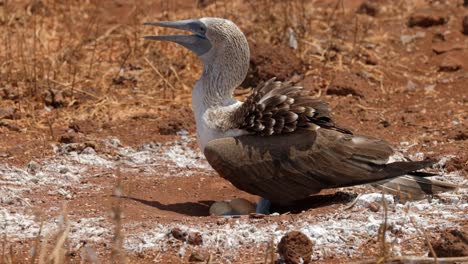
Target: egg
(242, 206)
(220, 208)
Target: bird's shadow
(314, 202)
(201, 208)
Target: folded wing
(291, 166)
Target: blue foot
(263, 206)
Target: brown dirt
(81, 77)
(268, 61)
(295, 248)
(452, 243)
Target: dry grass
(73, 56)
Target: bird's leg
(263, 206)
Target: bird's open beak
(196, 42)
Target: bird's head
(211, 38)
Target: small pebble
(195, 238)
(33, 167)
(197, 257)
(374, 207)
(178, 234)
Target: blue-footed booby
(280, 144)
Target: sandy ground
(97, 132)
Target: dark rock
(195, 238)
(196, 257)
(384, 123)
(438, 37)
(450, 64)
(368, 58)
(75, 126)
(178, 234)
(443, 47)
(465, 25)
(55, 98)
(295, 248)
(370, 8)
(122, 80)
(72, 137)
(77, 147)
(452, 243)
(427, 18)
(204, 3)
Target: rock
(295, 248)
(33, 167)
(368, 58)
(220, 208)
(450, 64)
(256, 216)
(75, 126)
(178, 234)
(346, 83)
(242, 206)
(452, 243)
(410, 86)
(438, 37)
(8, 113)
(427, 18)
(55, 98)
(442, 47)
(204, 3)
(196, 257)
(370, 8)
(384, 123)
(465, 3)
(374, 207)
(70, 137)
(406, 39)
(195, 238)
(465, 25)
(77, 147)
(222, 221)
(89, 151)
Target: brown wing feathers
(301, 163)
(281, 107)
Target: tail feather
(410, 187)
